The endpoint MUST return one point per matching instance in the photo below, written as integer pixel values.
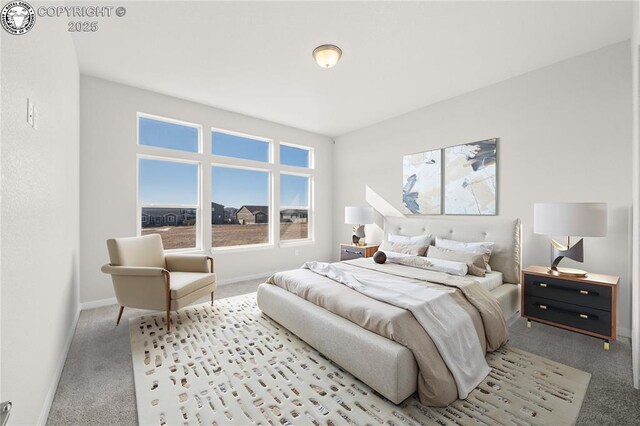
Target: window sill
(257, 247)
(296, 243)
(193, 250)
(235, 249)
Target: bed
(378, 360)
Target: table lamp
(358, 216)
(570, 220)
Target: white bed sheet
(490, 281)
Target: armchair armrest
(189, 263)
(140, 271)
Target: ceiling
(255, 58)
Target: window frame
(197, 206)
(223, 158)
(270, 185)
(205, 160)
(310, 209)
(306, 148)
(170, 121)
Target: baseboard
(264, 275)
(113, 301)
(98, 303)
(514, 317)
(624, 332)
(44, 415)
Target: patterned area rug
(231, 364)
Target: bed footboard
(384, 365)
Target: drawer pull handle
(584, 292)
(353, 252)
(543, 307)
(543, 285)
(584, 316)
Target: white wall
(39, 214)
(565, 135)
(1, 92)
(635, 55)
(108, 179)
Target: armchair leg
(119, 315)
(212, 298)
(167, 276)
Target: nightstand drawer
(580, 317)
(575, 293)
(348, 252)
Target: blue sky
(167, 135)
(239, 147)
(294, 156)
(235, 187)
(163, 182)
(294, 191)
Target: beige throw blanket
(436, 384)
(447, 323)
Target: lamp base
(568, 272)
(358, 235)
(559, 252)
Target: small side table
(585, 305)
(350, 251)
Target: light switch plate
(35, 118)
(29, 112)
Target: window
(168, 134)
(236, 146)
(238, 171)
(294, 156)
(168, 182)
(294, 207)
(243, 195)
(168, 198)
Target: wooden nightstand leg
(606, 345)
(528, 324)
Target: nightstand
(349, 251)
(585, 305)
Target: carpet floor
(231, 364)
(97, 386)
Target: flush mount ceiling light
(327, 55)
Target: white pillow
(411, 249)
(479, 247)
(485, 247)
(394, 255)
(418, 240)
(431, 264)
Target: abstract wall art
(470, 186)
(422, 182)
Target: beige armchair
(145, 277)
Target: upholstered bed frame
(387, 366)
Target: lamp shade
(358, 215)
(570, 219)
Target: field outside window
(168, 196)
(294, 207)
(240, 206)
